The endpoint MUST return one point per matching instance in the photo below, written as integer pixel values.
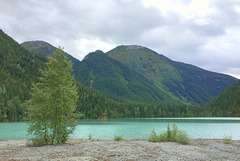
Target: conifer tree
(53, 102)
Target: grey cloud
(125, 22)
(209, 41)
(210, 28)
(226, 13)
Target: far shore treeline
(19, 68)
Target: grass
(171, 135)
(118, 138)
(90, 137)
(227, 140)
(202, 144)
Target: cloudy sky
(205, 33)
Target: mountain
(227, 103)
(44, 49)
(181, 81)
(119, 82)
(126, 85)
(136, 83)
(164, 80)
(18, 69)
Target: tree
(53, 102)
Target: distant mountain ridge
(119, 82)
(44, 49)
(173, 82)
(113, 78)
(186, 82)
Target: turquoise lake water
(139, 128)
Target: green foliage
(157, 138)
(171, 135)
(92, 77)
(53, 102)
(90, 136)
(182, 137)
(153, 136)
(37, 142)
(95, 105)
(174, 133)
(118, 137)
(227, 140)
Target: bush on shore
(227, 140)
(118, 138)
(171, 135)
(36, 142)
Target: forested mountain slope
(18, 69)
(118, 81)
(188, 83)
(227, 103)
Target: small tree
(53, 102)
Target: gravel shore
(128, 150)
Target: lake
(139, 128)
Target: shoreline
(124, 138)
(127, 149)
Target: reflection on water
(141, 128)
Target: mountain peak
(44, 49)
(131, 47)
(38, 47)
(93, 53)
(137, 51)
(32, 45)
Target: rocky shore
(128, 150)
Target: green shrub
(89, 136)
(163, 137)
(36, 142)
(153, 136)
(227, 140)
(169, 133)
(182, 137)
(173, 135)
(118, 138)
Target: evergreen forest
(18, 69)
